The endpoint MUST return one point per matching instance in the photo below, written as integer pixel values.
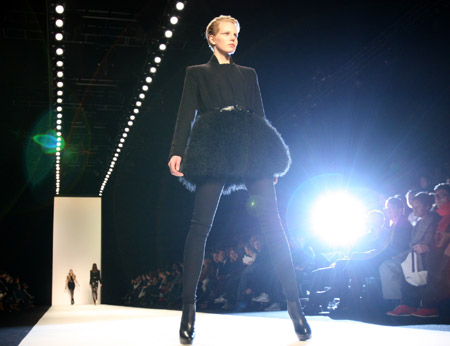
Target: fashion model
(71, 280)
(95, 278)
(231, 146)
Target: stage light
(59, 23)
(168, 33)
(122, 140)
(59, 9)
(180, 6)
(120, 145)
(157, 60)
(60, 74)
(59, 51)
(162, 46)
(59, 115)
(338, 218)
(145, 87)
(60, 63)
(58, 127)
(132, 117)
(127, 129)
(59, 108)
(59, 36)
(59, 100)
(59, 93)
(130, 123)
(148, 80)
(173, 20)
(142, 96)
(114, 159)
(116, 155)
(135, 111)
(138, 103)
(60, 84)
(59, 121)
(152, 69)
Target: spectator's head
(422, 204)
(424, 182)
(442, 194)
(375, 221)
(234, 256)
(221, 255)
(410, 197)
(394, 209)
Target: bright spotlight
(59, 51)
(152, 69)
(180, 6)
(59, 63)
(173, 20)
(58, 36)
(59, 23)
(157, 59)
(338, 218)
(162, 46)
(59, 9)
(168, 33)
(148, 80)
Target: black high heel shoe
(301, 326)
(187, 333)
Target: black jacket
(212, 86)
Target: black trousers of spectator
(207, 198)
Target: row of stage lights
(57, 24)
(151, 69)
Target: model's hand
(174, 166)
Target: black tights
(206, 200)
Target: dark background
(358, 89)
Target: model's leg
(262, 191)
(207, 197)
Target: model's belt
(236, 108)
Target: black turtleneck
(212, 86)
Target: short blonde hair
(213, 27)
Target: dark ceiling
(107, 47)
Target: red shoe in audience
(402, 310)
(425, 312)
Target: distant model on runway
(71, 280)
(93, 282)
(231, 146)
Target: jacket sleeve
(186, 114)
(257, 103)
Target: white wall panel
(76, 245)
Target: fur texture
(237, 145)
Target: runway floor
(115, 325)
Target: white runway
(115, 325)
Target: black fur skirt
(234, 145)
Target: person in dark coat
(95, 278)
(230, 146)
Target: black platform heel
(301, 326)
(187, 333)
